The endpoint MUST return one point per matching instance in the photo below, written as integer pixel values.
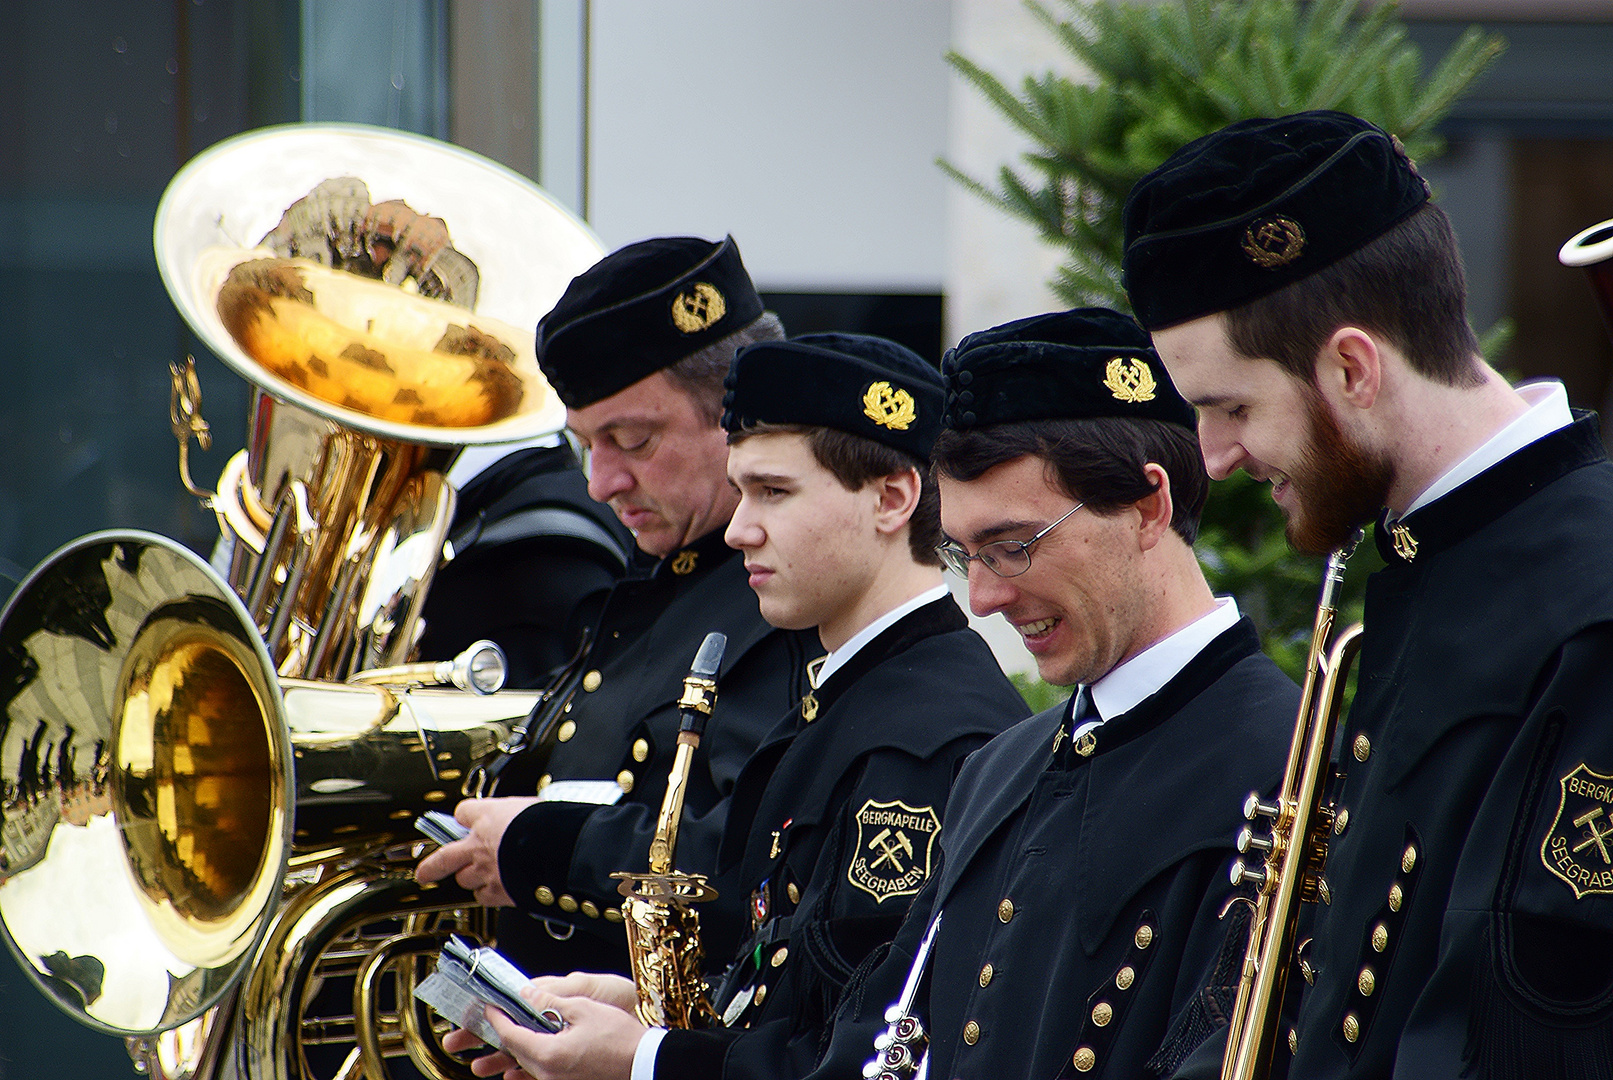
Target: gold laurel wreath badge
(1129, 380)
(889, 406)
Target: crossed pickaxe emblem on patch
(892, 851)
(1594, 834)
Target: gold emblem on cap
(698, 307)
(1129, 380)
(889, 406)
(1274, 241)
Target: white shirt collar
(837, 659)
(1548, 411)
(1139, 678)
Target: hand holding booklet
(441, 827)
(467, 978)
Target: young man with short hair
(1309, 299)
(835, 822)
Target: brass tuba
(208, 779)
(1288, 861)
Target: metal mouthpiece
(709, 658)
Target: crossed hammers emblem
(892, 851)
(1595, 834)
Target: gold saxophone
(663, 928)
(1292, 855)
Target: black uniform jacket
(1471, 924)
(835, 828)
(556, 858)
(1081, 892)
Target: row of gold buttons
(1086, 1058)
(569, 904)
(1005, 915)
(1366, 980)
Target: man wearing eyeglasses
(1084, 860)
(1070, 925)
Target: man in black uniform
(1309, 299)
(637, 348)
(1081, 872)
(1083, 869)
(835, 821)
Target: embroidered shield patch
(1579, 845)
(895, 842)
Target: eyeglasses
(1005, 558)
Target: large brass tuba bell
(206, 787)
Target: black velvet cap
(642, 308)
(855, 383)
(1258, 205)
(1089, 363)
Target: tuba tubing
(237, 817)
(1296, 849)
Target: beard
(1340, 485)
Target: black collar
(1475, 503)
(939, 616)
(1211, 662)
(694, 561)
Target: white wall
(997, 267)
(809, 129)
(806, 128)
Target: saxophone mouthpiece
(700, 686)
(709, 658)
